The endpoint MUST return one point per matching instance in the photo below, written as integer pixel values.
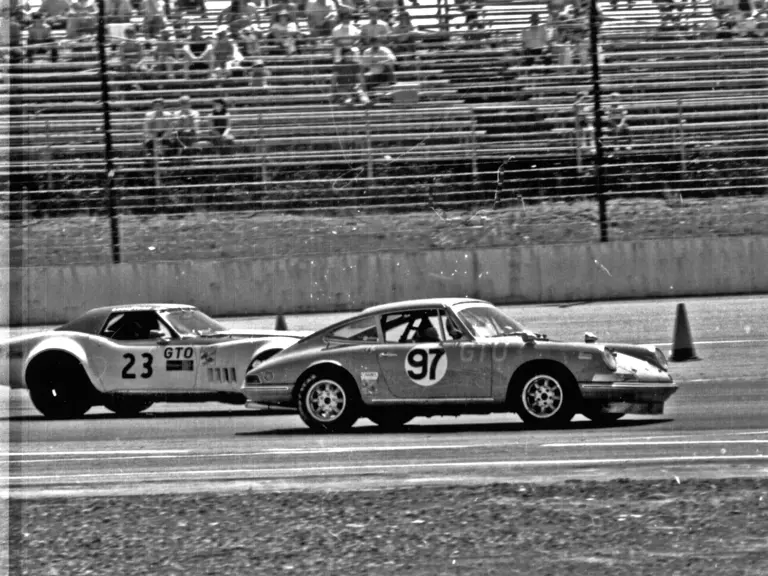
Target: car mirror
(158, 335)
(589, 338)
(528, 337)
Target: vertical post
(263, 153)
(109, 175)
(368, 148)
(48, 156)
(681, 125)
(474, 155)
(593, 33)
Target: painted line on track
(318, 470)
(649, 443)
(93, 452)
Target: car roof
(421, 303)
(92, 321)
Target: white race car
(128, 357)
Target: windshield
(487, 322)
(192, 322)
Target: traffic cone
(280, 323)
(682, 345)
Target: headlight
(662, 359)
(609, 360)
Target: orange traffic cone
(280, 323)
(682, 345)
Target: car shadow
(453, 428)
(152, 415)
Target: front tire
(59, 387)
(328, 403)
(546, 397)
(126, 405)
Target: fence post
(681, 125)
(598, 134)
(48, 156)
(368, 148)
(474, 155)
(109, 173)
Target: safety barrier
(521, 274)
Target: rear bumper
(272, 395)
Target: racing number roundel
(426, 364)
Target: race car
(432, 357)
(128, 357)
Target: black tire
(328, 402)
(389, 419)
(603, 418)
(126, 405)
(545, 396)
(59, 387)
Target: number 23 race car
(128, 357)
(394, 362)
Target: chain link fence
(632, 122)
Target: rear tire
(59, 387)
(390, 419)
(545, 396)
(328, 402)
(126, 405)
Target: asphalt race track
(716, 425)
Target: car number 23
(426, 365)
(145, 361)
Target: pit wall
(520, 274)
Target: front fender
(70, 346)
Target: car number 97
(426, 364)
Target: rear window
(363, 330)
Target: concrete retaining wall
(643, 269)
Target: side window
(450, 328)
(363, 330)
(411, 327)
(132, 326)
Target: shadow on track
(152, 415)
(453, 428)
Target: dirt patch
(717, 527)
(217, 235)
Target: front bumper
(627, 392)
(270, 395)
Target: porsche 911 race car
(432, 357)
(128, 357)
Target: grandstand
(462, 106)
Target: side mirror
(158, 335)
(528, 337)
(589, 338)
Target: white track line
(316, 470)
(649, 443)
(93, 452)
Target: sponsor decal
(585, 356)
(426, 364)
(180, 365)
(208, 356)
(368, 381)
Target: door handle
(387, 355)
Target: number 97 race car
(128, 357)
(434, 357)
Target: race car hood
(257, 333)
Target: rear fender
(69, 346)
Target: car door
(419, 359)
(138, 362)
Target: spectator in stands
(226, 54)
(345, 34)
(198, 54)
(378, 64)
(118, 11)
(475, 34)
(81, 19)
(154, 17)
(404, 36)
(221, 128)
(347, 79)
(191, 5)
(374, 28)
(159, 134)
(617, 125)
(238, 15)
(166, 52)
(284, 34)
(132, 57)
(582, 122)
(321, 17)
(535, 43)
(56, 13)
(186, 121)
(15, 53)
(249, 42)
(283, 6)
(40, 39)
(388, 8)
